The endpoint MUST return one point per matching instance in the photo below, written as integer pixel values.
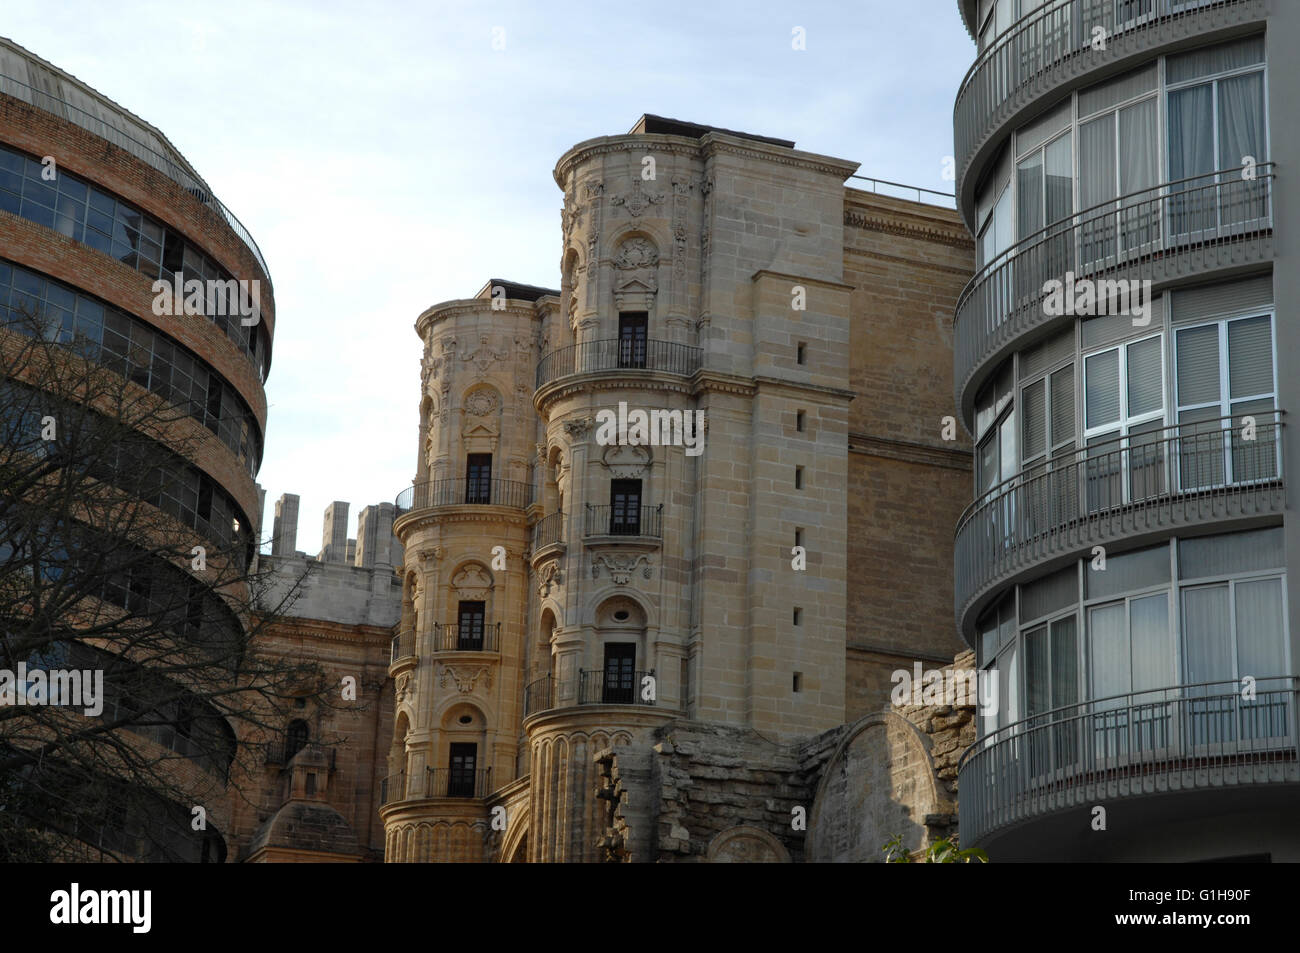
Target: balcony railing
(403, 647)
(457, 782)
(483, 637)
(1180, 475)
(613, 354)
(1041, 51)
(460, 492)
(393, 788)
(625, 521)
(182, 176)
(1146, 235)
(548, 531)
(590, 688)
(1191, 737)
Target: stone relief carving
(549, 577)
(625, 461)
(577, 429)
(472, 582)
(621, 566)
(480, 403)
(636, 252)
(747, 845)
(464, 677)
(485, 355)
(637, 200)
(404, 687)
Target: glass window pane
(1198, 365)
(1108, 661)
(1050, 594)
(1241, 120)
(1008, 440)
(1231, 553)
(1153, 656)
(1215, 59)
(1097, 181)
(1207, 648)
(1127, 572)
(1260, 629)
(1145, 393)
(1063, 406)
(1059, 179)
(1038, 674)
(1191, 132)
(1101, 399)
(1065, 661)
(1029, 197)
(1250, 357)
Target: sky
(390, 154)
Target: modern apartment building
(583, 594)
(1120, 359)
(95, 206)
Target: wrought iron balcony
(403, 647)
(1143, 483)
(461, 492)
(457, 782)
(645, 521)
(596, 687)
(615, 354)
(548, 531)
(483, 637)
(1185, 738)
(1051, 47)
(1170, 231)
(393, 788)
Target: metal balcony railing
(613, 354)
(403, 647)
(1042, 50)
(483, 637)
(625, 521)
(1180, 475)
(1185, 738)
(18, 89)
(462, 492)
(457, 782)
(548, 531)
(1145, 235)
(393, 788)
(595, 687)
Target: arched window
(295, 738)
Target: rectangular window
(478, 478)
(620, 673)
(799, 419)
(798, 616)
(463, 765)
(1124, 422)
(625, 507)
(1224, 381)
(801, 353)
(1130, 646)
(632, 329)
(469, 626)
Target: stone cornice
(716, 142)
(708, 380)
(548, 394)
(471, 306)
(910, 452)
(891, 224)
(459, 513)
(294, 627)
(801, 279)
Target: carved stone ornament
(404, 687)
(637, 200)
(465, 678)
(485, 355)
(620, 566)
(636, 252)
(481, 403)
(625, 461)
(549, 577)
(577, 429)
(472, 582)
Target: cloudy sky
(387, 157)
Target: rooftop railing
(1184, 738)
(1151, 234)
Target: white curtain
(1153, 657)
(1260, 644)
(1207, 647)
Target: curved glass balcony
(615, 354)
(1185, 738)
(1044, 51)
(1140, 484)
(1174, 230)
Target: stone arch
(514, 846)
(609, 593)
(878, 782)
(549, 620)
(745, 844)
(635, 260)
